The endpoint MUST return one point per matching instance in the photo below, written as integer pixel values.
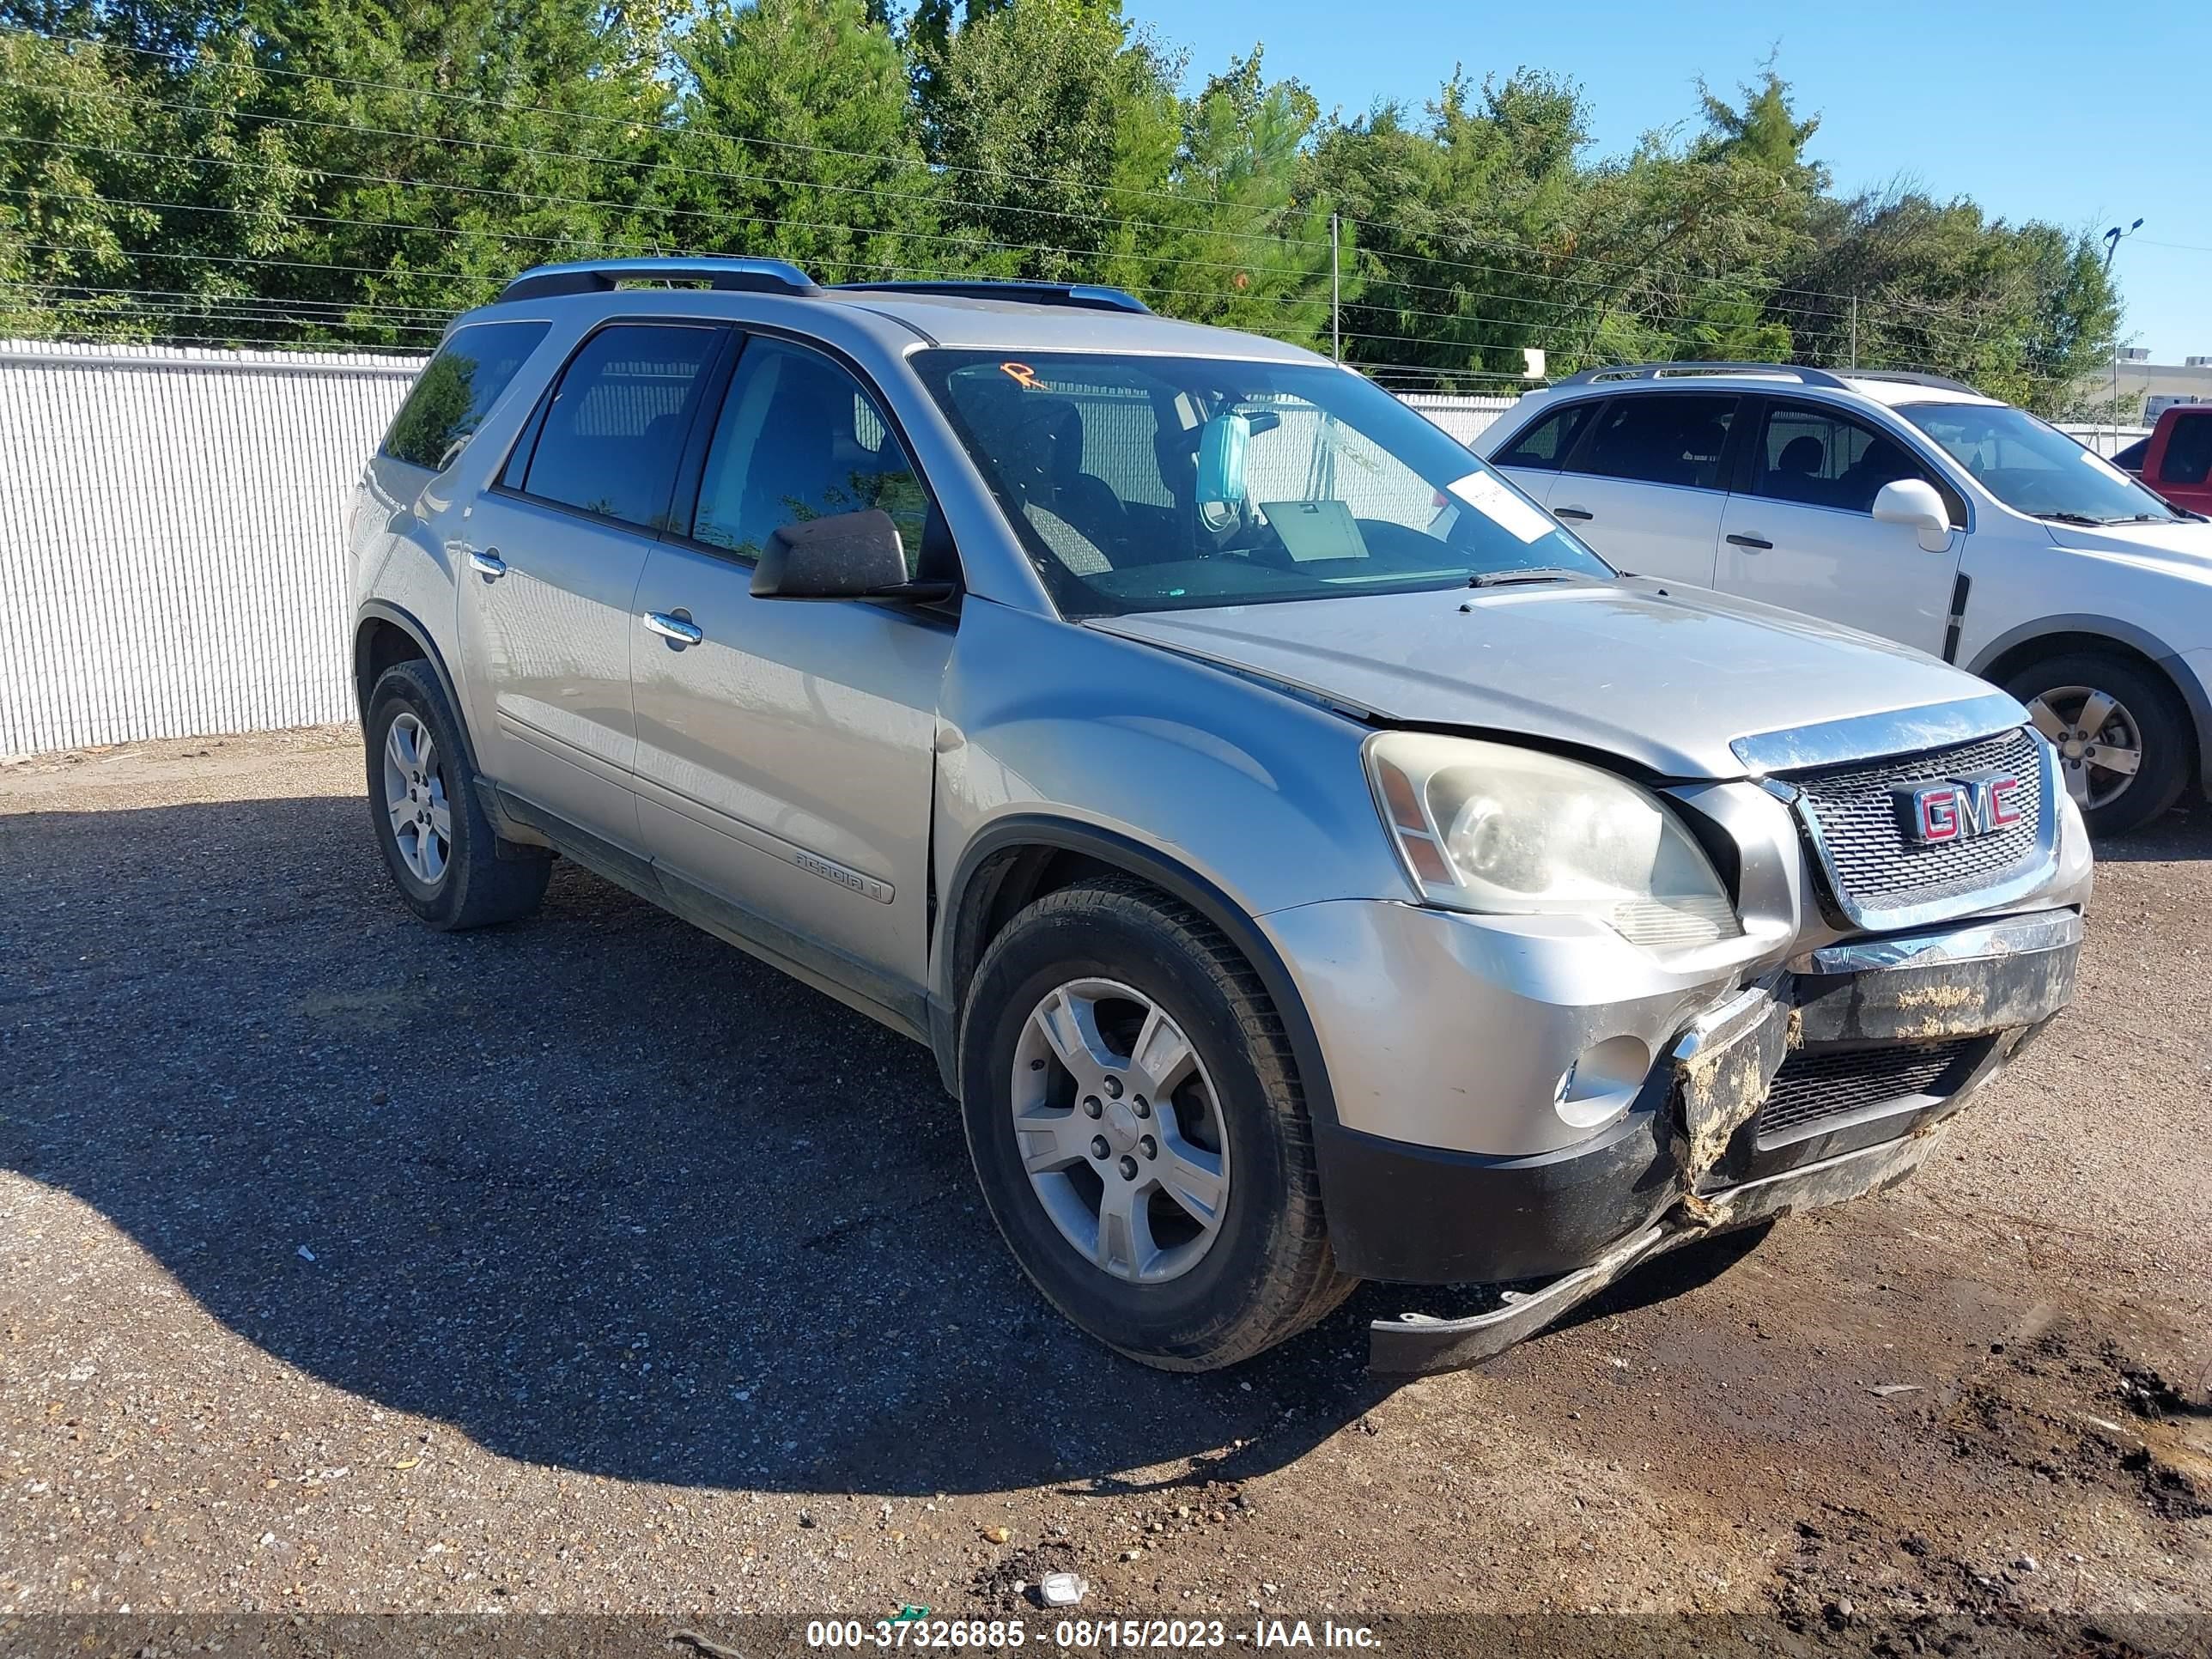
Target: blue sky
(2082, 115)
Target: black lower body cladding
(1685, 1157)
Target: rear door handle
(488, 564)
(678, 630)
(1581, 513)
(1756, 543)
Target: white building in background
(2146, 388)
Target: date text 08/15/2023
(914, 1628)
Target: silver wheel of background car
(2099, 743)
(415, 797)
(1121, 1131)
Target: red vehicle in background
(2176, 459)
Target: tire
(1219, 1292)
(2144, 711)
(455, 880)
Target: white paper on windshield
(1316, 529)
(1489, 496)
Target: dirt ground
(585, 1265)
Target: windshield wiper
(2072, 518)
(1542, 572)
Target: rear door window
(1661, 437)
(457, 388)
(611, 440)
(2188, 451)
(1545, 447)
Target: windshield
(2033, 468)
(1156, 483)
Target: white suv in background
(1912, 507)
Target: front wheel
(2122, 735)
(1138, 1127)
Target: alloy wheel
(415, 797)
(2099, 743)
(1121, 1131)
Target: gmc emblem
(1958, 808)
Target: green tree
(1054, 122)
(797, 137)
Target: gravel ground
(585, 1265)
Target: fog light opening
(1602, 1083)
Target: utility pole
(1854, 330)
(2113, 238)
(1335, 324)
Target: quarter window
(1664, 438)
(457, 388)
(1820, 458)
(1545, 447)
(613, 435)
(797, 439)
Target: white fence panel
(1463, 417)
(172, 535)
(172, 538)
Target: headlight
(1484, 826)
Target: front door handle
(679, 630)
(488, 564)
(1756, 543)
(1581, 513)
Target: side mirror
(846, 555)
(1914, 503)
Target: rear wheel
(1138, 1130)
(440, 848)
(2122, 735)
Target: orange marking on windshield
(1022, 376)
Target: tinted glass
(2033, 468)
(1821, 459)
(2130, 459)
(1544, 446)
(614, 434)
(456, 388)
(1336, 487)
(797, 439)
(1666, 437)
(2187, 450)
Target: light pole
(2113, 238)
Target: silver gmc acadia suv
(1306, 861)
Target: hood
(2184, 548)
(1665, 678)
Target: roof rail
(1090, 296)
(1805, 376)
(1913, 377)
(1832, 379)
(604, 276)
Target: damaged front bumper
(1714, 1143)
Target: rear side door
(785, 748)
(1643, 482)
(553, 554)
(1800, 532)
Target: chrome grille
(1818, 1083)
(1871, 866)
